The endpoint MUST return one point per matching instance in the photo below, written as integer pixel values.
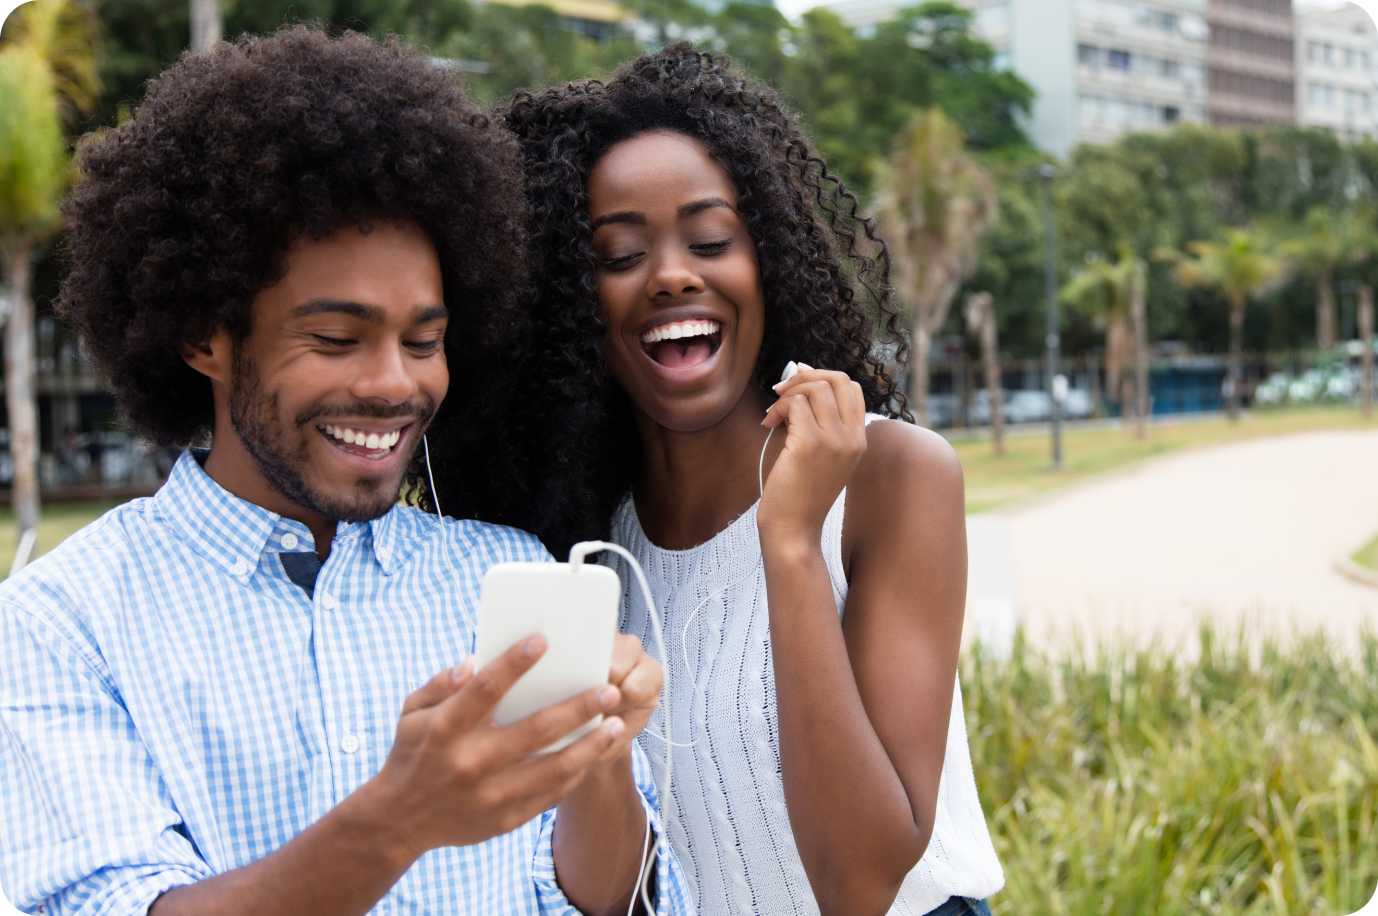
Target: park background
(1136, 751)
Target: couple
(250, 693)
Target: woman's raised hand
(825, 416)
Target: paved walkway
(1243, 531)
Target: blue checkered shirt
(172, 706)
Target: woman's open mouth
(682, 344)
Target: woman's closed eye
(710, 247)
(624, 260)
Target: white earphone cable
(445, 542)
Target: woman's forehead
(662, 167)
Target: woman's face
(678, 281)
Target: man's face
(343, 369)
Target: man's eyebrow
(370, 313)
(699, 206)
(621, 216)
(425, 313)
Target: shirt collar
(234, 533)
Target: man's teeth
(679, 330)
(358, 437)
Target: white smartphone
(574, 609)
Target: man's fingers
(478, 697)
(547, 777)
(546, 726)
(440, 688)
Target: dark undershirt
(302, 569)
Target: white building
(1100, 68)
(1336, 52)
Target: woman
(688, 244)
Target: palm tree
(1115, 294)
(206, 23)
(980, 316)
(1241, 267)
(47, 70)
(1326, 243)
(936, 201)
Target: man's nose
(386, 376)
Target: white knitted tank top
(730, 829)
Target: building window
(1168, 22)
(1170, 70)
(1349, 58)
(1328, 96)
(1118, 60)
(1313, 95)
(1351, 102)
(1089, 55)
(1313, 51)
(1328, 53)
(1171, 114)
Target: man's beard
(254, 416)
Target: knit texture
(729, 826)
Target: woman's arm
(864, 706)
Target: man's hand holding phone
(454, 778)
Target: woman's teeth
(343, 435)
(679, 330)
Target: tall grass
(1241, 781)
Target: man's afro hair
(184, 214)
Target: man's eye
(710, 247)
(332, 341)
(425, 346)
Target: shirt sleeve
(89, 826)
(672, 889)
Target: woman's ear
(212, 357)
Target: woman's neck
(694, 484)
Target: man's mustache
(419, 411)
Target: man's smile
(373, 444)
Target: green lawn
(1026, 467)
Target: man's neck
(231, 466)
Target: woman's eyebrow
(622, 216)
(698, 206)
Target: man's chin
(367, 499)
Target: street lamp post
(1047, 173)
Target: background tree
(206, 23)
(46, 68)
(936, 202)
(1114, 293)
(1240, 268)
(1323, 243)
(980, 316)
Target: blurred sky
(794, 8)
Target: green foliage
(1239, 267)
(1243, 781)
(33, 153)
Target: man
(250, 693)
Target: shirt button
(289, 541)
(239, 568)
(382, 554)
(327, 601)
(349, 744)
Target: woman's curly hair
(824, 271)
(184, 214)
